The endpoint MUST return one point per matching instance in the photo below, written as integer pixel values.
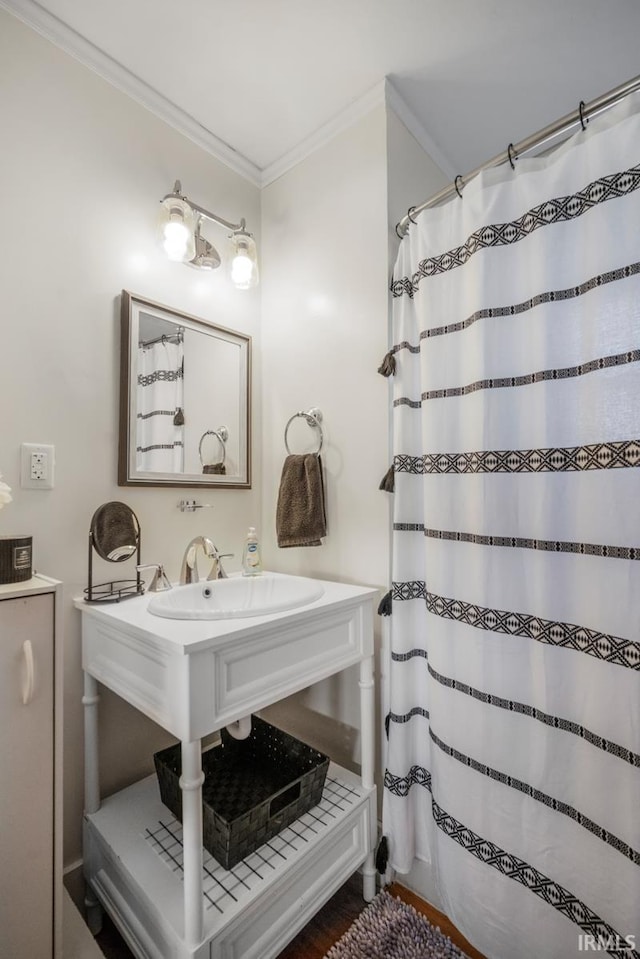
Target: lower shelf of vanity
(133, 861)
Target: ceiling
(257, 79)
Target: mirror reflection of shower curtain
(159, 441)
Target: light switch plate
(37, 463)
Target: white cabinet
(30, 800)
(168, 896)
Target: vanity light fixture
(182, 241)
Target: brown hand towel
(300, 513)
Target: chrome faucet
(189, 570)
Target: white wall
(329, 245)
(412, 176)
(325, 276)
(83, 168)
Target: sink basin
(236, 597)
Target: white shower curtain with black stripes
(513, 764)
(160, 402)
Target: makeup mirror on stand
(115, 536)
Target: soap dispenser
(251, 559)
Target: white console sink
(192, 676)
(194, 662)
(236, 597)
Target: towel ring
(222, 435)
(314, 419)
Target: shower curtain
(160, 418)
(513, 757)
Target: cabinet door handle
(30, 673)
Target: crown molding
(53, 29)
(341, 121)
(400, 107)
(383, 93)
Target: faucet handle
(217, 569)
(159, 582)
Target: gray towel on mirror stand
(300, 514)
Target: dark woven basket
(253, 788)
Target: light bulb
(175, 240)
(176, 228)
(241, 270)
(244, 265)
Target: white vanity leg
(191, 785)
(94, 912)
(367, 754)
(90, 702)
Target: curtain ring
(398, 233)
(583, 122)
(512, 155)
(409, 212)
(455, 183)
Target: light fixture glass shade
(244, 260)
(176, 229)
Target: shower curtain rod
(178, 336)
(580, 116)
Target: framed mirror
(185, 400)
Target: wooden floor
(325, 928)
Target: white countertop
(29, 587)
(187, 636)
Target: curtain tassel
(382, 856)
(388, 482)
(178, 419)
(387, 723)
(384, 607)
(388, 365)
